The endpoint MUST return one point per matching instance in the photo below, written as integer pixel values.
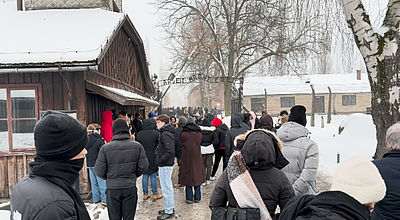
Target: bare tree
(241, 34)
(380, 50)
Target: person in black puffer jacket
(219, 145)
(148, 137)
(207, 148)
(264, 159)
(93, 147)
(121, 162)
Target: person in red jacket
(106, 126)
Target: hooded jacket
(121, 161)
(237, 127)
(389, 168)
(149, 137)
(330, 205)
(303, 155)
(166, 146)
(191, 171)
(220, 133)
(264, 159)
(106, 126)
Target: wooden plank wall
(59, 91)
(12, 169)
(123, 65)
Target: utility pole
(312, 106)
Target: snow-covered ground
(357, 139)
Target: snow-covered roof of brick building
(281, 85)
(49, 36)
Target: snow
(47, 36)
(4, 214)
(358, 138)
(293, 84)
(129, 95)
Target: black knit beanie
(59, 137)
(298, 115)
(120, 126)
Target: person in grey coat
(301, 151)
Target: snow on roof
(282, 85)
(129, 95)
(48, 36)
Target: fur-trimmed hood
(262, 148)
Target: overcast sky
(144, 17)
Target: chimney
(19, 5)
(358, 74)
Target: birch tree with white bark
(381, 53)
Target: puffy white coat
(303, 155)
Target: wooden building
(84, 61)
(350, 93)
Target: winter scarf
(62, 174)
(243, 187)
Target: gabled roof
(286, 85)
(55, 36)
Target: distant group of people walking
(264, 166)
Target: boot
(157, 196)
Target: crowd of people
(264, 166)
(190, 111)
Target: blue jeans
(189, 193)
(165, 174)
(153, 181)
(98, 187)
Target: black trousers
(121, 203)
(219, 153)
